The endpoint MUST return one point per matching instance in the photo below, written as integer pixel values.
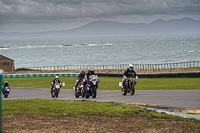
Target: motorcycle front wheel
(132, 90)
(5, 95)
(56, 93)
(76, 95)
(83, 93)
(124, 92)
(52, 94)
(94, 92)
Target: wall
(6, 64)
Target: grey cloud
(55, 11)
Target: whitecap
(4, 48)
(191, 51)
(108, 44)
(92, 44)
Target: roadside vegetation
(98, 113)
(110, 83)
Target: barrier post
(1, 79)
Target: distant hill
(109, 28)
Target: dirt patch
(69, 123)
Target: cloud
(59, 11)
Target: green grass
(87, 110)
(110, 83)
(78, 108)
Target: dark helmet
(82, 72)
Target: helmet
(56, 77)
(6, 82)
(91, 69)
(130, 66)
(82, 72)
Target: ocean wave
(191, 51)
(4, 48)
(51, 46)
(88, 44)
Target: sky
(46, 15)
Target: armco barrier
(40, 75)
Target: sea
(149, 49)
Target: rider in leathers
(79, 78)
(128, 72)
(4, 85)
(90, 72)
(56, 80)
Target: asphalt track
(175, 99)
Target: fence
(117, 66)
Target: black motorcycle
(129, 86)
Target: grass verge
(86, 110)
(110, 83)
(59, 107)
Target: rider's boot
(135, 82)
(76, 88)
(123, 83)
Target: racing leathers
(56, 80)
(79, 78)
(127, 73)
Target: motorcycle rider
(128, 72)
(56, 80)
(5, 85)
(79, 78)
(90, 72)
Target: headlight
(57, 86)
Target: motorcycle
(80, 89)
(92, 85)
(129, 86)
(55, 90)
(6, 91)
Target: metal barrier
(116, 66)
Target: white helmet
(130, 66)
(56, 77)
